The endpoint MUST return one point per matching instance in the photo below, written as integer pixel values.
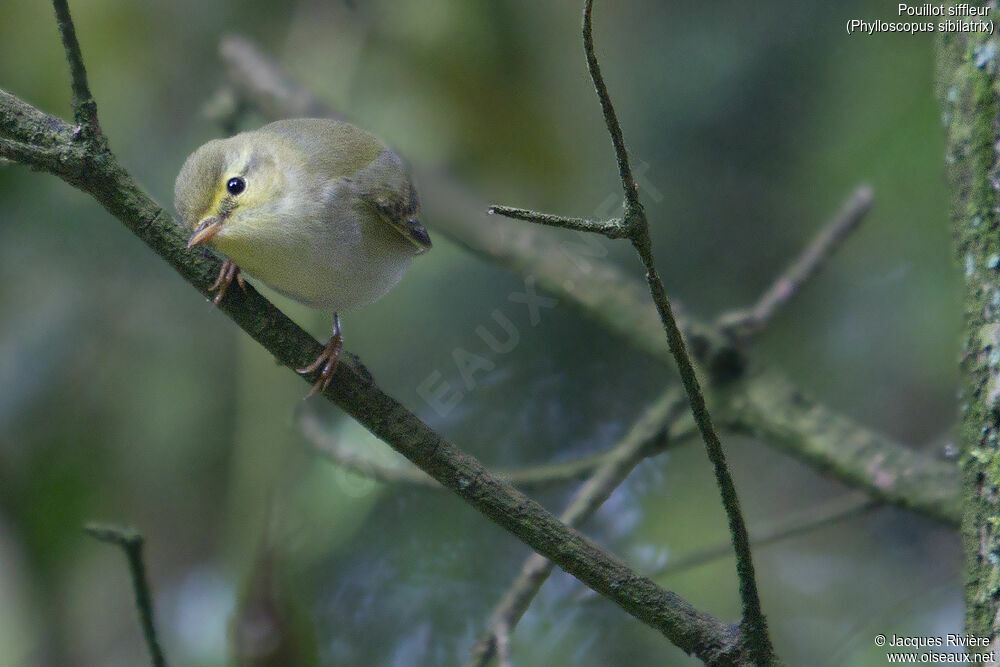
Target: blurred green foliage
(124, 396)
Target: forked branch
(635, 227)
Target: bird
(318, 209)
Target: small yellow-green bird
(318, 209)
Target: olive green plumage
(318, 209)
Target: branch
(651, 433)
(772, 409)
(264, 86)
(131, 542)
(743, 325)
(602, 291)
(91, 167)
(84, 106)
(341, 454)
(635, 227)
(613, 229)
(840, 509)
(610, 118)
(801, 523)
(27, 154)
(967, 89)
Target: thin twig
(754, 622)
(502, 633)
(84, 106)
(813, 519)
(651, 433)
(262, 83)
(753, 616)
(743, 325)
(131, 543)
(810, 520)
(343, 455)
(610, 117)
(613, 229)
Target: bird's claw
(326, 363)
(227, 274)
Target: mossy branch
(84, 106)
(969, 81)
(773, 409)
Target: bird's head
(226, 189)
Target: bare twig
(502, 633)
(343, 455)
(131, 543)
(651, 433)
(610, 118)
(635, 227)
(263, 84)
(813, 519)
(84, 106)
(743, 325)
(800, 523)
(613, 229)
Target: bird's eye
(236, 185)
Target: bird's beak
(205, 231)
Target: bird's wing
(385, 186)
(376, 175)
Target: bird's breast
(334, 257)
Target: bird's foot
(326, 363)
(227, 274)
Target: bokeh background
(124, 396)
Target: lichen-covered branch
(84, 106)
(771, 408)
(86, 162)
(968, 90)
